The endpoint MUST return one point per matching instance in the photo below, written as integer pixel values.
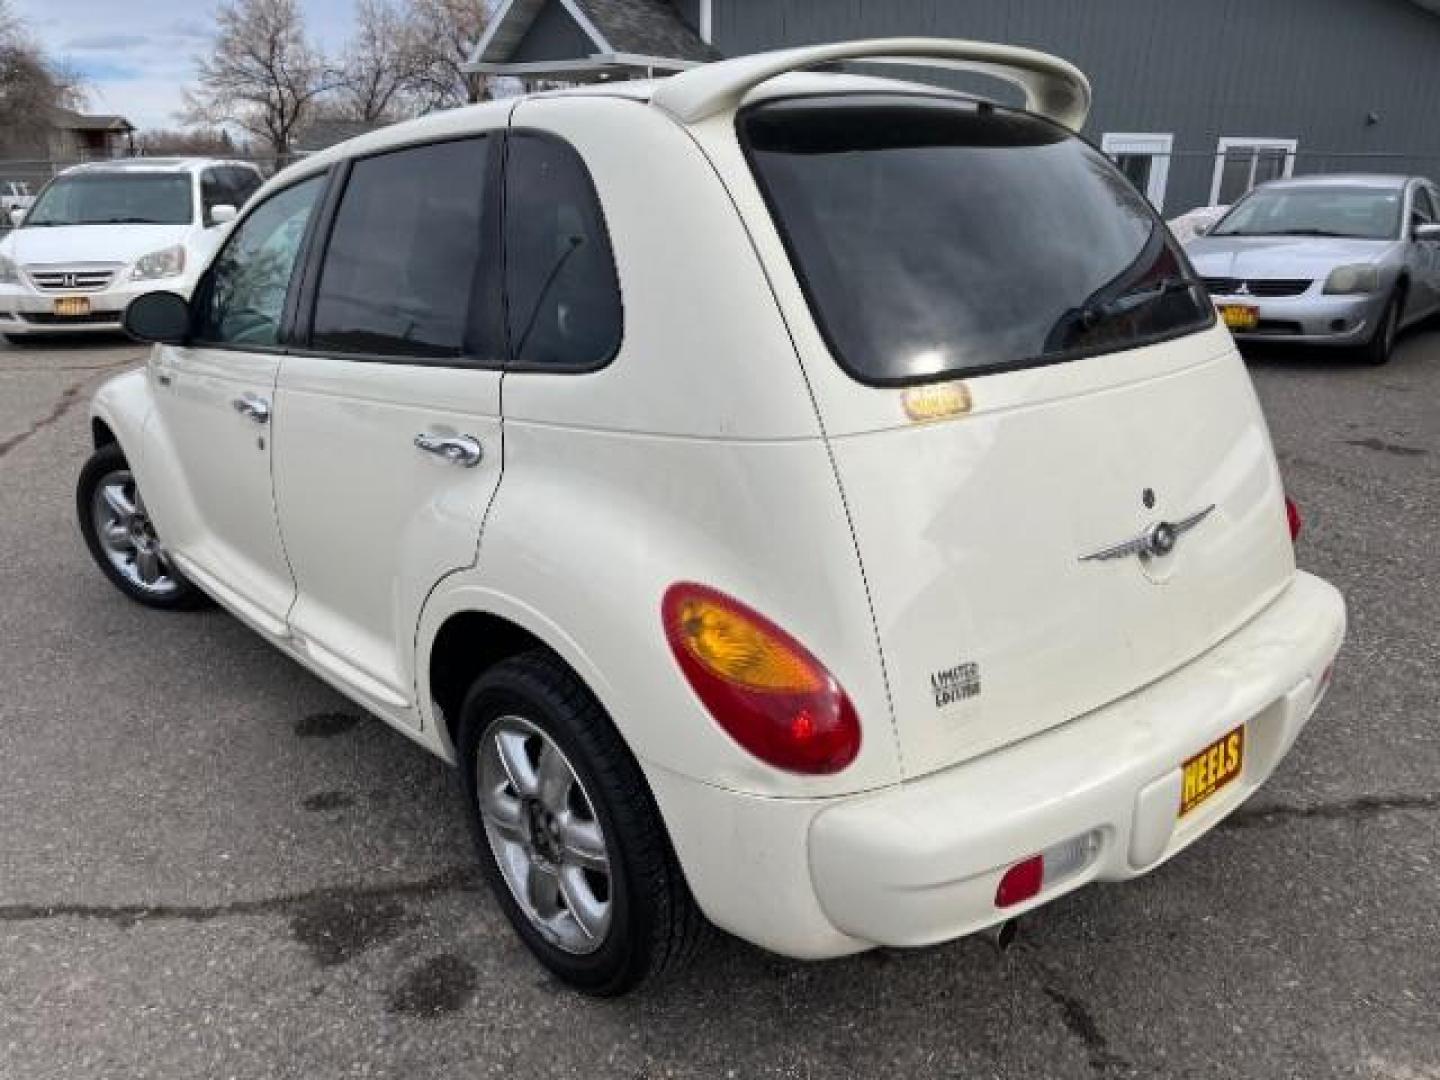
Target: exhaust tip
(1002, 935)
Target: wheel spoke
(542, 889)
(148, 565)
(592, 915)
(119, 503)
(582, 844)
(504, 813)
(516, 762)
(117, 536)
(555, 779)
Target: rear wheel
(567, 832)
(1381, 345)
(121, 537)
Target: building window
(1145, 161)
(1241, 164)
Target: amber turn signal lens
(762, 686)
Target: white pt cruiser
(813, 505)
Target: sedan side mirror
(1202, 228)
(1427, 232)
(159, 318)
(223, 214)
(17, 217)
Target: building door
(1241, 164)
(1145, 161)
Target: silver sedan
(1326, 260)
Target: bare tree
(264, 74)
(378, 69)
(440, 37)
(191, 142)
(31, 84)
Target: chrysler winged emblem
(1155, 542)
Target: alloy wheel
(545, 835)
(128, 538)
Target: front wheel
(567, 831)
(1381, 346)
(121, 537)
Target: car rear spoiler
(1053, 87)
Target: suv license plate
(1211, 769)
(1240, 316)
(70, 307)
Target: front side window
(1356, 213)
(1424, 208)
(937, 237)
(242, 301)
(562, 293)
(407, 256)
(115, 199)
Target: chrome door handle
(462, 450)
(253, 406)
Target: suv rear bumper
(920, 862)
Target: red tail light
(761, 685)
(1292, 514)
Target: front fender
(124, 404)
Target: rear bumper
(920, 862)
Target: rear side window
(562, 294)
(936, 237)
(407, 255)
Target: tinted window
(1359, 213)
(243, 184)
(407, 255)
(111, 198)
(939, 237)
(562, 295)
(1424, 208)
(243, 299)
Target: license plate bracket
(1212, 769)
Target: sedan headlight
(160, 264)
(9, 275)
(1362, 278)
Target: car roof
(1382, 181)
(152, 165)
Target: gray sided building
(1197, 99)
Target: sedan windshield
(114, 199)
(936, 237)
(1356, 213)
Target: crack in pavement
(455, 879)
(1361, 807)
(1076, 1017)
(67, 401)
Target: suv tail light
(1292, 515)
(762, 686)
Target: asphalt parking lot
(213, 866)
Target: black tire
(1381, 346)
(655, 926)
(104, 463)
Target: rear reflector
(1021, 882)
(1027, 878)
(1292, 515)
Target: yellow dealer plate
(1240, 316)
(1211, 769)
(70, 307)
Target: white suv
(821, 503)
(100, 235)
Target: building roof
(70, 120)
(625, 37)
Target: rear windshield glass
(1358, 213)
(938, 237)
(114, 199)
